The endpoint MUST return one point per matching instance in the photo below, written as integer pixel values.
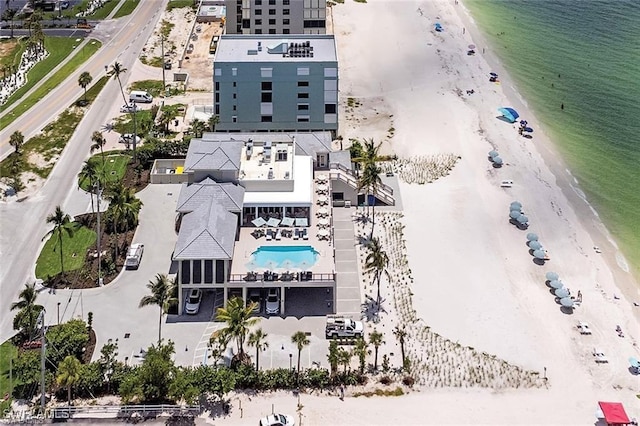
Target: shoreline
(589, 218)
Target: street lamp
(290, 361)
(58, 313)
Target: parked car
(277, 420)
(129, 107)
(127, 139)
(134, 256)
(272, 306)
(192, 305)
(254, 297)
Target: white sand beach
(474, 281)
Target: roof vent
(259, 46)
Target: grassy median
(74, 251)
(126, 9)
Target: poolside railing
(297, 277)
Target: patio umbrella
(561, 293)
(523, 122)
(634, 362)
(535, 245)
(287, 221)
(302, 221)
(514, 214)
(304, 265)
(472, 46)
(497, 161)
(322, 178)
(567, 302)
(509, 113)
(273, 222)
(493, 153)
(287, 264)
(271, 264)
(539, 254)
(522, 219)
(556, 284)
(551, 276)
(528, 129)
(493, 74)
(516, 205)
(532, 237)
(259, 221)
(323, 211)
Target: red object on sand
(614, 413)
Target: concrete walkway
(348, 295)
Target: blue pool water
(285, 257)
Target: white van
(140, 96)
(506, 183)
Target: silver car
(192, 305)
(272, 305)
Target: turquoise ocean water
(585, 55)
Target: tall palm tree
(161, 289)
(61, 223)
(401, 335)
(361, 350)
(377, 262)
(238, 318)
(25, 320)
(198, 127)
(370, 181)
(16, 140)
(98, 143)
(213, 121)
(301, 340)
(258, 339)
(84, 80)
(89, 172)
(344, 358)
(124, 208)
(117, 69)
(69, 374)
(376, 339)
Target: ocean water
(584, 55)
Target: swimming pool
(283, 257)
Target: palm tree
(361, 350)
(89, 172)
(213, 121)
(301, 340)
(16, 140)
(61, 222)
(401, 335)
(161, 289)
(238, 319)
(258, 339)
(167, 116)
(376, 339)
(124, 208)
(117, 69)
(370, 181)
(198, 127)
(27, 317)
(98, 144)
(376, 262)
(84, 80)
(344, 358)
(69, 374)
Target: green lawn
(51, 83)
(177, 4)
(7, 352)
(154, 87)
(126, 8)
(115, 166)
(74, 250)
(105, 10)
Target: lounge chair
(584, 328)
(305, 235)
(296, 234)
(600, 356)
(278, 235)
(269, 235)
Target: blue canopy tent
(509, 113)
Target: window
(234, 118)
(285, 12)
(272, 11)
(197, 271)
(303, 107)
(267, 97)
(258, 2)
(234, 84)
(218, 72)
(272, 21)
(303, 71)
(266, 72)
(234, 107)
(217, 96)
(272, 31)
(208, 271)
(258, 11)
(272, 2)
(246, 23)
(217, 86)
(217, 109)
(234, 95)
(234, 71)
(285, 21)
(285, 2)
(267, 85)
(258, 31)
(303, 84)
(303, 119)
(303, 96)
(266, 118)
(258, 22)
(314, 23)
(186, 272)
(220, 269)
(285, 31)
(330, 72)
(330, 108)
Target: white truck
(341, 327)
(134, 256)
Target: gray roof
(276, 48)
(208, 232)
(228, 195)
(314, 143)
(307, 143)
(205, 154)
(341, 157)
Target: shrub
(385, 380)
(408, 381)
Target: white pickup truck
(134, 256)
(338, 326)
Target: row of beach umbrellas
(535, 245)
(560, 290)
(515, 213)
(495, 158)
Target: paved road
(53, 32)
(22, 225)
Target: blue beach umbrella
(535, 245)
(516, 205)
(493, 154)
(509, 113)
(556, 284)
(528, 130)
(551, 276)
(532, 237)
(561, 293)
(514, 214)
(497, 160)
(539, 254)
(493, 74)
(522, 219)
(634, 362)
(567, 302)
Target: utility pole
(99, 242)
(164, 85)
(135, 133)
(43, 398)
